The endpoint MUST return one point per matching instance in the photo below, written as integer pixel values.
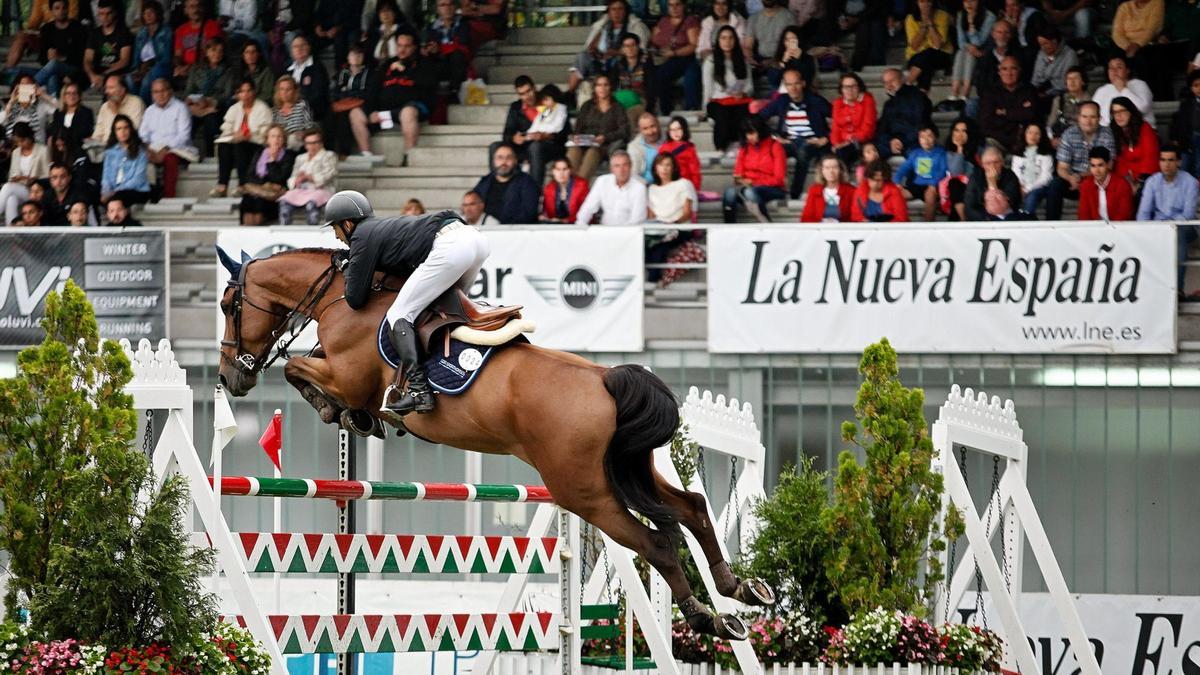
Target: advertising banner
(582, 287)
(1028, 288)
(124, 275)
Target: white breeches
(455, 260)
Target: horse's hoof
(730, 627)
(754, 592)
(358, 422)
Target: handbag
(267, 191)
(347, 104)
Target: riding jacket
(391, 245)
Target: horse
(588, 430)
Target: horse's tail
(647, 417)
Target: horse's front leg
(312, 378)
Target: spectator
(854, 118)
(413, 207)
(109, 47)
(549, 127)
(670, 198)
(720, 15)
(30, 105)
(1064, 109)
(243, 131)
(673, 45)
(266, 180)
(679, 145)
(167, 132)
(877, 198)
(603, 43)
(727, 88)
(401, 91)
(987, 67)
(1120, 83)
(1071, 158)
(831, 197)
(117, 102)
(564, 194)
(30, 161)
(125, 164)
(118, 214)
(72, 124)
(870, 22)
(1103, 195)
(1185, 126)
(351, 135)
(209, 91)
(618, 196)
(312, 183)
(1027, 22)
(927, 43)
(253, 67)
(30, 37)
(1137, 144)
(991, 174)
(923, 170)
(801, 125)
(974, 27)
(447, 43)
(509, 195)
(191, 36)
(1054, 59)
(63, 40)
(764, 30)
(1004, 111)
(962, 158)
(644, 147)
(240, 20)
(869, 154)
(151, 51)
(381, 35)
(791, 54)
(31, 214)
(336, 23)
(1034, 167)
(1135, 32)
(312, 77)
(601, 129)
(758, 174)
(78, 214)
(633, 76)
(64, 191)
(487, 19)
(1080, 14)
(473, 213)
(521, 114)
(905, 112)
(291, 111)
(1171, 194)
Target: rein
(252, 364)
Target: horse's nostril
(223, 381)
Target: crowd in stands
(244, 84)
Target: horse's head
(252, 325)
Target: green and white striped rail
(290, 553)
(344, 490)
(388, 633)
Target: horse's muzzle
(236, 382)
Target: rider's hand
(341, 259)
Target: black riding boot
(417, 396)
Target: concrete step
(507, 49)
(465, 157)
(490, 115)
(534, 59)
(540, 73)
(573, 35)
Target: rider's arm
(364, 256)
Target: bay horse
(588, 430)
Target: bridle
(251, 364)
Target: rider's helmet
(347, 205)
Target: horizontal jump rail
(396, 633)
(344, 490)
(294, 553)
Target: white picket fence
(545, 664)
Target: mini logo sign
(580, 288)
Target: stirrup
(407, 401)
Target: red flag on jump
(272, 439)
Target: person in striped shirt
(802, 126)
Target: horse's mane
(311, 249)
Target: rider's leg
(482, 250)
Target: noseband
(251, 364)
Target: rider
(435, 251)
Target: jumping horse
(588, 430)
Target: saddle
(454, 313)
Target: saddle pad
(451, 374)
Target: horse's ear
(246, 257)
(228, 263)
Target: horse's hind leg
(660, 550)
(692, 511)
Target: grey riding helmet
(347, 205)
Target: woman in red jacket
(854, 118)
(564, 194)
(758, 173)
(877, 198)
(831, 196)
(1137, 144)
(680, 146)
